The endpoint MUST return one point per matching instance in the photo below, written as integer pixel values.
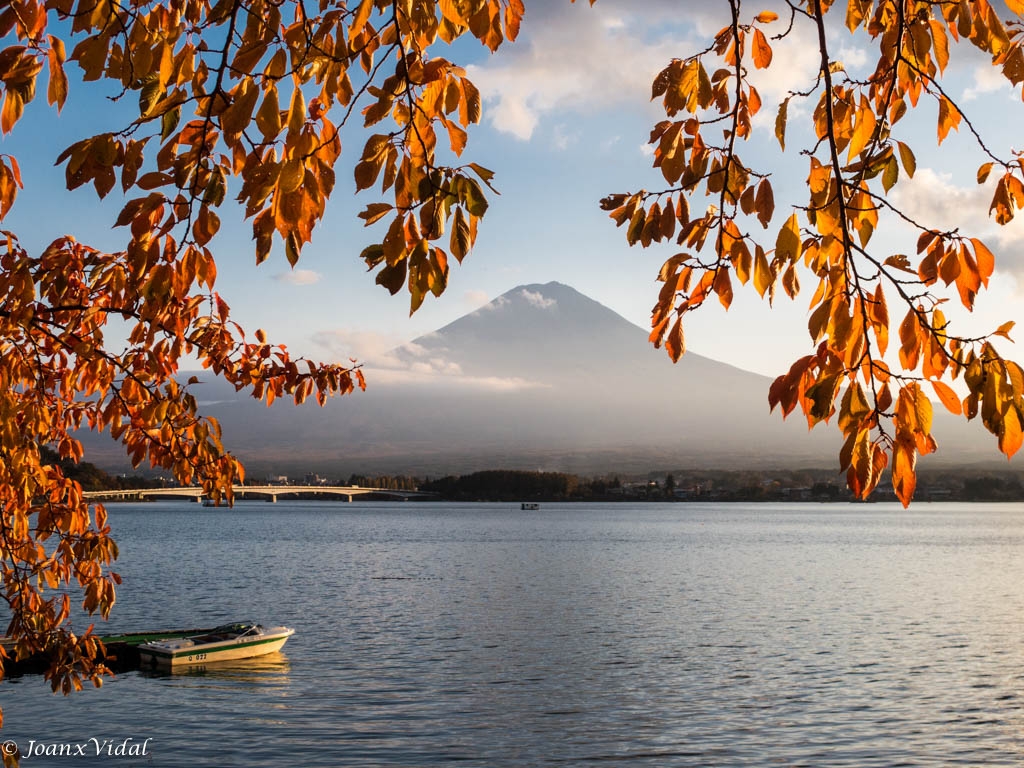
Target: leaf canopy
(249, 97)
(854, 163)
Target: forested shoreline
(808, 485)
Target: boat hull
(165, 655)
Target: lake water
(608, 634)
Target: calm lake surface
(607, 634)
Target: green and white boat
(226, 643)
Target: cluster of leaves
(232, 98)
(884, 412)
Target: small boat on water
(533, 505)
(226, 643)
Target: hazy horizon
(541, 378)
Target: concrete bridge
(269, 492)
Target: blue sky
(566, 118)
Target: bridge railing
(271, 491)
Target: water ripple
(649, 635)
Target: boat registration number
(197, 657)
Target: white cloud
(412, 364)
(414, 349)
(499, 384)
(298, 277)
(614, 52)
(425, 374)
(795, 65)
(498, 303)
(388, 361)
(613, 22)
(538, 299)
(344, 343)
(446, 366)
(932, 200)
(987, 79)
(563, 137)
(852, 57)
(475, 299)
(606, 59)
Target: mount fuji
(542, 378)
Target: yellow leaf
(268, 118)
(13, 106)
(361, 17)
(1011, 438)
(853, 408)
(469, 106)
(297, 112)
(374, 212)
(292, 174)
(57, 90)
(460, 237)
(764, 202)
(787, 245)
(675, 344)
(941, 43)
(891, 174)
(948, 397)
(863, 131)
(856, 10)
(206, 226)
(762, 51)
(949, 267)
(904, 477)
(723, 287)
(923, 411)
(949, 117)
(762, 272)
(1004, 330)
(780, 124)
(985, 260)
(457, 137)
(907, 158)
(861, 474)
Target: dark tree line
(91, 477)
(505, 485)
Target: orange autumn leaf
(948, 397)
(858, 156)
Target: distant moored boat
(227, 643)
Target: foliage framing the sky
(883, 411)
(251, 95)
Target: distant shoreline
(678, 486)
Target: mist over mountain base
(542, 378)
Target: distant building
(277, 480)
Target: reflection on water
(262, 670)
(653, 635)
